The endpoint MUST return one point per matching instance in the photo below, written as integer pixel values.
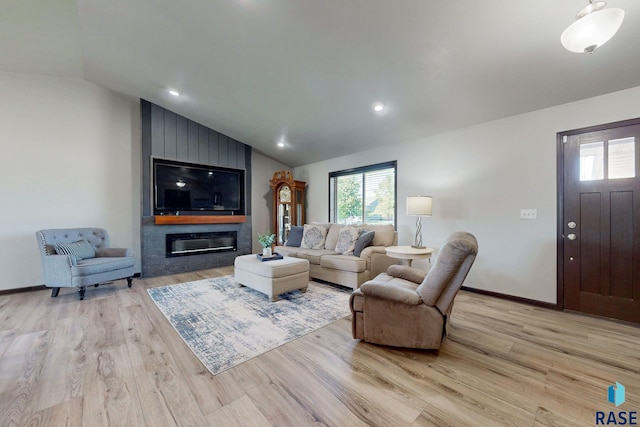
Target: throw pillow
(363, 241)
(77, 250)
(313, 236)
(295, 236)
(347, 240)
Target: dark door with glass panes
(599, 241)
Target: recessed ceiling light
(174, 92)
(378, 107)
(281, 144)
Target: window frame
(393, 164)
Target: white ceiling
(309, 71)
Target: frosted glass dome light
(594, 26)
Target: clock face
(285, 194)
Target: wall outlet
(528, 213)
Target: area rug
(226, 324)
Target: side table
(409, 253)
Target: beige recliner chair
(405, 307)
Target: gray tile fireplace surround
(156, 263)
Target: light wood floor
(114, 360)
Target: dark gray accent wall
(155, 262)
(168, 135)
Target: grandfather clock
(288, 203)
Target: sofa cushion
(291, 251)
(384, 234)
(100, 265)
(314, 255)
(332, 236)
(365, 239)
(313, 236)
(77, 250)
(344, 263)
(295, 236)
(347, 240)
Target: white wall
(69, 157)
(480, 177)
(262, 169)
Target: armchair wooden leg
(54, 292)
(129, 281)
(81, 292)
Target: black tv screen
(183, 188)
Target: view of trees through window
(364, 195)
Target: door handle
(571, 236)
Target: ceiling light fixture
(378, 107)
(281, 144)
(593, 27)
(174, 92)
(180, 183)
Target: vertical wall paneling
(145, 119)
(192, 141)
(232, 152)
(170, 136)
(182, 137)
(213, 148)
(157, 131)
(223, 149)
(240, 158)
(203, 144)
(167, 135)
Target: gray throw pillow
(295, 236)
(365, 239)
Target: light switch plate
(528, 213)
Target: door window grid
(620, 159)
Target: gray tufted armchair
(103, 264)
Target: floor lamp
(419, 206)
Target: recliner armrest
(388, 291)
(407, 273)
(113, 252)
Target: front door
(599, 248)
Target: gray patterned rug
(226, 324)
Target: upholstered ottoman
(272, 277)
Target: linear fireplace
(200, 243)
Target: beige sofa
(347, 270)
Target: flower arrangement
(266, 240)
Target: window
(363, 195)
(620, 160)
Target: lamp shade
(419, 205)
(592, 30)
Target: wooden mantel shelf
(199, 219)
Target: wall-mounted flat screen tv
(190, 188)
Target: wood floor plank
(114, 359)
(239, 413)
(67, 413)
(20, 368)
(111, 393)
(311, 397)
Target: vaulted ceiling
(308, 72)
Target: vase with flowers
(266, 241)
